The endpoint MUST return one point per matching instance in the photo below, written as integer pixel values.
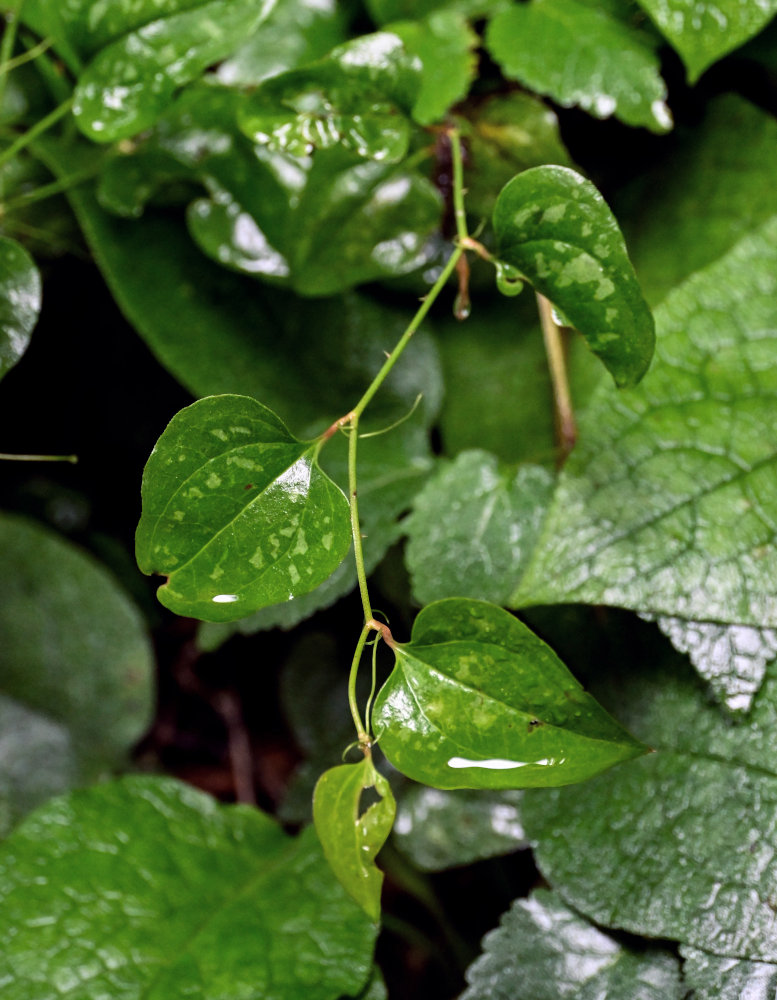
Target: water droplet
(225, 598)
(500, 764)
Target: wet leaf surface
(583, 54)
(714, 978)
(667, 505)
(476, 700)
(556, 229)
(20, 301)
(160, 892)
(237, 511)
(542, 950)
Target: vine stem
(11, 19)
(357, 720)
(562, 397)
(49, 190)
(37, 129)
(4, 456)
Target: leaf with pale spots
(20, 299)
(237, 512)
(476, 700)
(557, 230)
(128, 85)
(352, 835)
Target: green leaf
(352, 98)
(542, 950)
(237, 511)
(439, 829)
(712, 977)
(475, 544)
(20, 301)
(128, 85)
(160, 892)
(383, 11)
(704, 30)
(583, 54)
(476, 700)
(76, 661)
(678, 845)
(667, 505)
(445, 45)
(351, 835)
(555, 227)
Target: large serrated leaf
(160, 893)
(237, 511)
(556, 229)
(582, 54)
(476, 700)
(542, 950)
(668, 504)
(20, 301)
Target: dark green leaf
(473, 526)
(679, 844)
(712, 977)
(555, 227)
(237, 511)
(350, 835)
(159, 893)
(20, 300)
(585, 54)
(130, 83)
(542, 950)
(704, 30)
(476, 700)
(441, 829)
(75, 656)
(667, 505)
(353, 98)
(445, 44)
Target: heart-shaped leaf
(128, 84)
(476, 700)
(350, 835)
(20, 299)
(237, 511)
(557, 230)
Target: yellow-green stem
(11, 19)
(4, 456)
(7, 65)
(37, 129)
(554, 348)
(361, 730)
(458, 187)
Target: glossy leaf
(439, 829)
(76, 664)
(20, 301)
(476, 700)
(713, 977)
(350, 835)
(542, 950)
(473, 527)
(353, 98)
(583, 54)
(678, 845)
(128, 85)
(704, 30)
(237, 511)
(160, 892)
(556, 229)
(667, 505)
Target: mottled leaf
(556, 229)
(476, 700)
(439, 829)
(157, 891)
(583, 54)
(542, 950)
(352, 835)
(668, 505)
(20, 301)
(237, 511)
(704, 30)
(354, 97)
(473, 527)
(679, 844)
(76, 664)
(712, 977)
(128, 85)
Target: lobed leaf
(237, 511)
(476, 700)
(351, 835)
(20, 301)
(160, 892)
(556, 229)
(583, 54)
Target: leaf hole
(368, 798)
